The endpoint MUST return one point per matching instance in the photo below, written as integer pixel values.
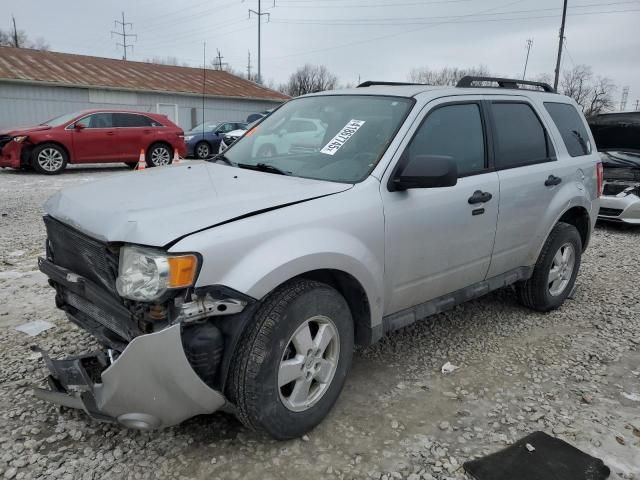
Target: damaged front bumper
(623, 207)
(150, 385)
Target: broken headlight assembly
(145, 274)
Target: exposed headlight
(188, 137)
(19, 138)
(146, 274)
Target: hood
(620, 159)
(159, 205)
(25, 130)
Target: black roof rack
(467, 82)
(371, 83)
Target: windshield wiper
(222, 158)
(263, 167)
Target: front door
(97, 141)
(439, 240)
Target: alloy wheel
(561, 269)
(50, 159)
(202, 151)
(309, 363)
(160, 156)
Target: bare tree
(8, 39)
(593, 94)
(446, 76)
(309, 79)
(167, 61)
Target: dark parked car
(616, 131)
(204, 140)
(92, 136)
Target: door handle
(111, 133)
(479, 197)
(552, 180)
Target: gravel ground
(573, 373)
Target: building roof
(65, 69)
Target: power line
(124, 35)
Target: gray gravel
(573, 373)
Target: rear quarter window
(571, 127)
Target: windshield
(208, 127)
(61, 120)
(339, 138)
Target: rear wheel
(159, 155)
(202, 150)
(292, 361)
(49, 159)
(556, 270)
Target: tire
(202, 150)
(541, 293)
(266, 151)
(49, 159)
(258, 385)
(159, 154)
(131, 165)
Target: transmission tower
(124, 35)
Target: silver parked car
(620, 200)
(244, 282)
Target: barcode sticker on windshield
(337, 142)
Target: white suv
(244, 282)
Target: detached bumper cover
(620, 208)
(150, 385)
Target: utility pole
(637, 104)
(124, 35)
(564, 19)
(259, 14)
(623, 100)
(526, 62)
(16, 39)
(248, 64)
(219, 61)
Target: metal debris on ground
(34, 328)
(449, 368)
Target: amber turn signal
(182, 270)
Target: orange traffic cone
(142, 163)
(176, 158)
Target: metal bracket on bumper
(150, 385)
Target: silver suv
(244, 282)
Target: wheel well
(161, 142)
(579, 218)
(57, 144)
(355, 296)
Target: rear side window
(571, 127)
(520, 137)
(131, 120)
(454, 131)
(97, 120)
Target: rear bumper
(10, 155)
(150, 385)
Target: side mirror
(426, 171)
(79, 126)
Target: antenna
(204, 79)
(124, 35)
(526, 62)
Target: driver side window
(454, 131)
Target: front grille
(121, 328)
(610, 212)
(4, 139)
(81, 254)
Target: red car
(92, 136)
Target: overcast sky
(367, 39)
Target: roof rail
(371, 83)
(467, 82)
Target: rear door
(439, 240)
(135, 132)
(98, 141)
(532, 172)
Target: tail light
(599, 178)
(180, 134)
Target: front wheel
(555, 271)
(49, 159)
(292, 361)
